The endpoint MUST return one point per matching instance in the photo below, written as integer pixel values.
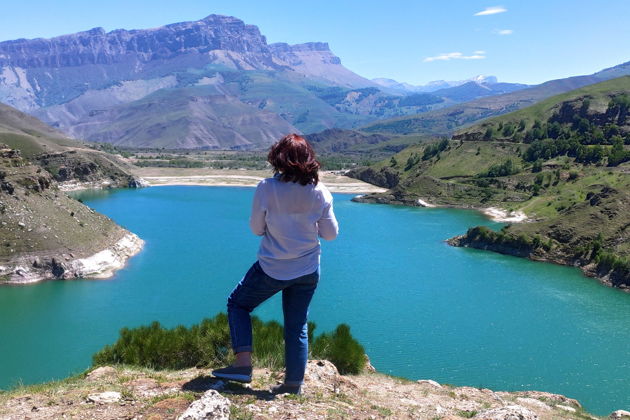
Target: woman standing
(290, 211)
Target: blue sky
(412, 41)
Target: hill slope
(565, 163)
(447, 120)
(44, 233)
(69, 161)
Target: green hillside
(564, 163)
(42, 229)
(66, 159)
(446, 121)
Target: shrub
(506, 168)
(208, 344)
(341, 349)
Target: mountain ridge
(445, 121)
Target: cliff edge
(124, 392)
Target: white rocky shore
(30, 269)
(74, 185)
(500, 215)
(494, 213)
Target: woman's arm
(327, 225)
(257, 222)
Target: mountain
(473, 90)
(446, 120)
(212, 83)
(209, 84)
(563, 163)
(439, 84)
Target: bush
(506, 168)
(341, 349)
(207, 344)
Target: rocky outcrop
(85, 168)
(125, 392)
(211, 405)
(45, 234)
(97, 47)
(50, 266)
(384, 177)
(184, 85)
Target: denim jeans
(255, 288)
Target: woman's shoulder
(323, 190)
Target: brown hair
(294, 159)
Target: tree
(489, 133)
(617, 154)
(537, 166)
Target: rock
(321, 371)
(211, 405)
(429, 382)
(566, 408)
(101, 372)
(620, 414)
(137, 183)
(106, 397)
(533, 403)
(510, 412)
(385, 178)
(368, 365)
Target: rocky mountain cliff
(213, 83)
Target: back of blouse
(290, 217)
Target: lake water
(421, 308)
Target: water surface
(421, 308)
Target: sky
(520, 41)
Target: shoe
(234, 373)
(286, 389)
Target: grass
(240, 413)
(382, 411)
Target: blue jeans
(254, 289)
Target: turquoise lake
(421, 308)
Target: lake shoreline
(335, 181)
(30, 269)
(502, 216)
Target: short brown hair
(294, 159)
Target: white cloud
(504, 31)
(477, 55)
(491, 11)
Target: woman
(290, 211)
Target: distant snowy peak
(434, 85)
